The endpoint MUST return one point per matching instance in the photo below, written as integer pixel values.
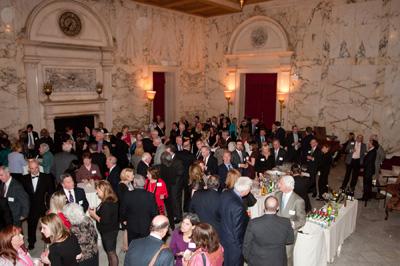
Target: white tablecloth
(91, 195)
(317, 246)
(333, 236)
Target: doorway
(260, 97)
(159, 100)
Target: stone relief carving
(71, 80)
(259, 37)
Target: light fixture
(282, 106)
(99, 88)
(47, 89)
(241, 4)
(228, 97)
(150, 95)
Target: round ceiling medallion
(70, 23)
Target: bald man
(151, 248)
(257, 249)
(40, 187)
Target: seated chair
(393, 203)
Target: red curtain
(261, 97)
(159, 100)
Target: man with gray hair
(151, 250)
(114, 172)
(144, 164)
(234, 220)
(292, 206)
(138, 208)
(160, 149)
(257, 249)
(47, 157)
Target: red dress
(159, 189)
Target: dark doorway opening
(159, 100)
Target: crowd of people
(199, 176)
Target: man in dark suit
(209, 160)
(314, 157)
(62, 160)
(293, 144)
(5, 214)
(240, 157)
(144, 164)
(176, 171)
(18, 199)
(267, 236)
(278, 132)
(234, 221)
(73, 194)
(305, 144)
(278, 153)
(31, 138)
(205, 203)
(144, 251)
(137, 210)
(39, 187)
(369, 169)
(301, 185)
(262, 138)
(114, 172)
(187, 158)
(224, 168)
(354, 159)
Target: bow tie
(35, 176)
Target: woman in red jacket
(156, 185)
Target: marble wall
(346, 55)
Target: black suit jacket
(222, 173)
(114, 177)
(142, 250)
(301, 187)
(100, 160)
(205, 204)
(312, 165)
(138, 208)
(280, 159)
(18, 201)
(35, 137)
(39, 199)
(212, 165)
(5, 214)
(369, 163)
(80, 198)
(187, 159)
(141, 169)
(281, 135)
(266, 239)
(173, 174)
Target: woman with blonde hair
(57, 202)
(231, 178)
(124, 186)
(83, 228)
(106, 216)
(64, 248)
(196, 177)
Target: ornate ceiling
(204, 8)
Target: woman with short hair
(209, 251)
(88, 170)
(12, 249)
(106, 216)
(83, 228)
(64, 249)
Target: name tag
(292, 212)
(10, 199)
(352, 143)
(159, 184)
(262, 159)
(280, 158)
(80, 202)
(309, 152)
(93, 172)
(192, 245)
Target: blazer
(294, 209)
(369, 163)
(6, 218)
(142, 169)
(187, 158)
(349, 152)
(280, 134)
(61, 163)
(263, 164)
(301, 187)
(312, 165)
(40, 198)
(138, 208)
(47, 161)
(100, 159)
(280, 158)
(205, 204)
(222, 173)
(212, 165)
(80, 197)
(108, 213)
(18, 201)
(141, 251)
(114, 177)
(266, 239)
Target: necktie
(35, 176)
(31, 141)
(229, 167)
(71, 198)
(283, 202)
(262, 138)
(276, 154)
(3, 191)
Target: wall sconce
(99, 88)
(282, 106)
(228, 97)
(150, 95)
(47, 89)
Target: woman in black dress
(106, 217)
(265, 160)
(64, 249)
